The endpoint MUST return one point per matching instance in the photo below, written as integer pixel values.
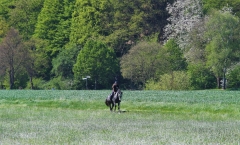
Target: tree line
(157, 44)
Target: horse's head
(119, 94)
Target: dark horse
(116, 99)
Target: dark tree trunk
(11, 75)
(31, 82)
(218, 83)
(224, 79)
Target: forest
(143, 44)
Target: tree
(178, 80)
(233, 76)
(62, 36)
(134, 20)
(118, 23)
(184, 15)
(47, 24)
(3, 28)
(24, 16)
(36, 63)
(195, 52)
(5, 7)
(142, 62)
(53, 25)
(12, 54)
(222, 50)
(98, 61)
(208, 5)
(63, 63)
(174, 56)
(200, 77)
(91, 19)
(175, 60)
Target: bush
(201, 77)
(59, 83)
(233, 78)
(178, 80)
(38, 84)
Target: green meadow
(147, 117)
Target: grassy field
(148, 117)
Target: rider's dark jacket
(115, 87)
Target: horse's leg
(111, 106)
(115, 107)
(119, 107)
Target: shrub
(178, 80)
(38, 84)
(233, 78)
(201, 77)
(58, 83)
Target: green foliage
(53, 24)
(174, 56)
(179, 80)
(38, 63)
(222, 49)
(5, 7)
(58, 83)
(134, 20)
(13, 54)
(3, 28)
(120, 24)
(233, 78)
(64, 27)
(38, 84)
(208, 5)
(174, 63)
(91, 19)
(63, 63)
(21, 79)
(24, 16)
(143, 61)
(98, 61)
(201, 77)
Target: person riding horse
(115, 88)
(114, 98)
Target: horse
(116, 99)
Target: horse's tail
(107, 102)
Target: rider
(115, 88)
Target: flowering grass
(148, 117)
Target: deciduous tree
(143, 62)
(4, 27)
(91, 19)
(53, 25)
(222, 31)
(35, 62)
(98, 61)
(12, 54)
(184, 14)
(208, 5)
(63, 63)
(24, 16)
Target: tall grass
(151, 117)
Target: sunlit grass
(150, 117)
